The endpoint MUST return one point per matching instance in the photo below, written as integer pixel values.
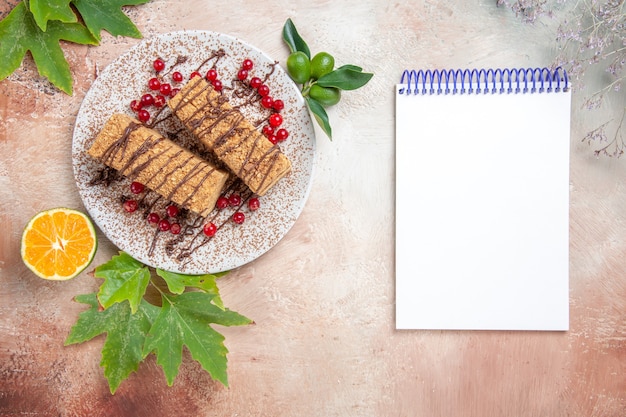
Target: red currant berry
(177, 76)
(154, 83)
(172, 210)
(273, 139)
(209, 229)
(195, 74)
(130, 206)
(147, 100)
(143, 115)
(175, 228)
(255, 82)
(278, 105)
(158, 65)
(247, 64)
(282, 134)
(263, 90)
(153, 218)
(217, 85)
(211, 74)
(275, 120)
(254, 204)
(267, 102)
(135, 105)
(222, 203)
(268, 130)
(136, 187)
(234, 199)
(239, 217)
(159, 101)
(174, 92)
(242, 74)
(165, 89)
(164, 225)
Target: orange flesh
(58, 244)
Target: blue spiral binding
(485, 81)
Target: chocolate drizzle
(105, 176)
(155, 162)
(216, 55)
(203, 122)
(199, 239)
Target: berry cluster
(165, 222)
(233, 200)
(238, 217)
(211, 76)
(159, 91)
(271, 130)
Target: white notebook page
(482, 211)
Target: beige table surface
(324, 342)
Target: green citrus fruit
(321, 64)
(299, 67)
(326, 96)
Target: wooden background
(324, 342)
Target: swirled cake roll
(144, 155)
(235, 141)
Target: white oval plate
(126, 79)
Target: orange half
(58, 244)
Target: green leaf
(134, 333)
(124, 279)
(184, 320)
(293, 40)
(45, 10)
(320, 115)
(176, 283)
(346, 78)
(107, 15)
(126, 334)
(20, 33)
(352, 67)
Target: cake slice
(224, 130)
(144, 155)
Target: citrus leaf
(124, 279)
(345, 78)
(293, 40)
(352, 67)
(126, 334)
(19, 33)
(45, 10)
(176, 283)
(107, 15)
(320, 115)
(184, 320)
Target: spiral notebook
(482, 199)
